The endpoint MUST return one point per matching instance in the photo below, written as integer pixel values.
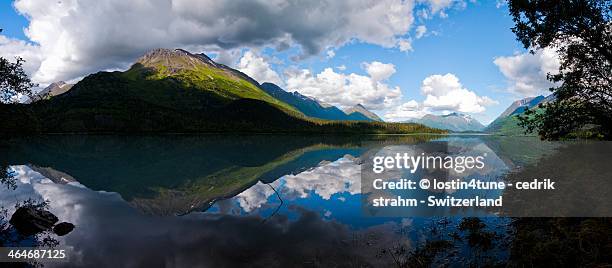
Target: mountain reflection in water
(257, 200)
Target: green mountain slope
(507, 122)
(306, 105)
(507, 126)
(199, 73)
(172, 91)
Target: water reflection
(108, 226)
(332, 183)
(258, 200)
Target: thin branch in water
(279, 206)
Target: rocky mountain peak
(173, 59)
(359, 108)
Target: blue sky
(12, 22)
(466, 43)
(462, 39)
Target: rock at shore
(30, 221)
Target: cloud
(342, 175)
(330, 54)
(81, 37)
(420, 31)
(179, 240)
(258, 68)
(341, 67)
(325, 180)
(228, 57)
(438, 7)
(407, 110)
(379, 71)
(254, 197)
(11, 48)
(526, 73)
(346, 90)
(443, 93)
(404, 45)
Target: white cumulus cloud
(379, 71)
(11, 48)
(526, 73)
(443, 93)
(346, 90)
(258, 68)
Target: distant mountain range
(317, 109)
(177, 91)
(454, 122)
(507, 122)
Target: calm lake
(243, 200)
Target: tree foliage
(13, 80)
(581, 33)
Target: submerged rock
(63, 228)
(30, 221)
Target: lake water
(229, 200)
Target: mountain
(199, 72)
(507, 122)
(521, 105)
(173, 91)
(548, 99)
(317, 109)
(505, 126)
(454, 122)
(308, 106)
(165, 90)
(56, 88)
(52, 90)
(358, 112)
